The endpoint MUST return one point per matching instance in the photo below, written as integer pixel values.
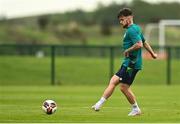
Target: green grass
(23, 104)
(18, 70)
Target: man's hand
(126, 53)
(154, 56)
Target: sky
(22, 8)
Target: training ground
(22, 104)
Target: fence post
(53, 65)
(111, 61)
(168, 65)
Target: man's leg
(125, 88)
(107, 93)
(112, 84)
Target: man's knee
(114, 80)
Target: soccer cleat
(135, 112)
(96, 107)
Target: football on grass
(49, 106)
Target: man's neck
(131, 23)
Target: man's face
(124, 21)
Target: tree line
(144, 13)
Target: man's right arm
(149, 49)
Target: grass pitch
(23, 104)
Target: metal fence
(110, 52)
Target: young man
(132, 44)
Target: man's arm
(136, 46)
(150, 50)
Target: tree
(43, 21)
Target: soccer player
(132, 44)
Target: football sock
(101, 101)
(135, 105)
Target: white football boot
(134, 112)
(96, 107)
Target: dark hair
(124, 12)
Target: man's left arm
(149, 49)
